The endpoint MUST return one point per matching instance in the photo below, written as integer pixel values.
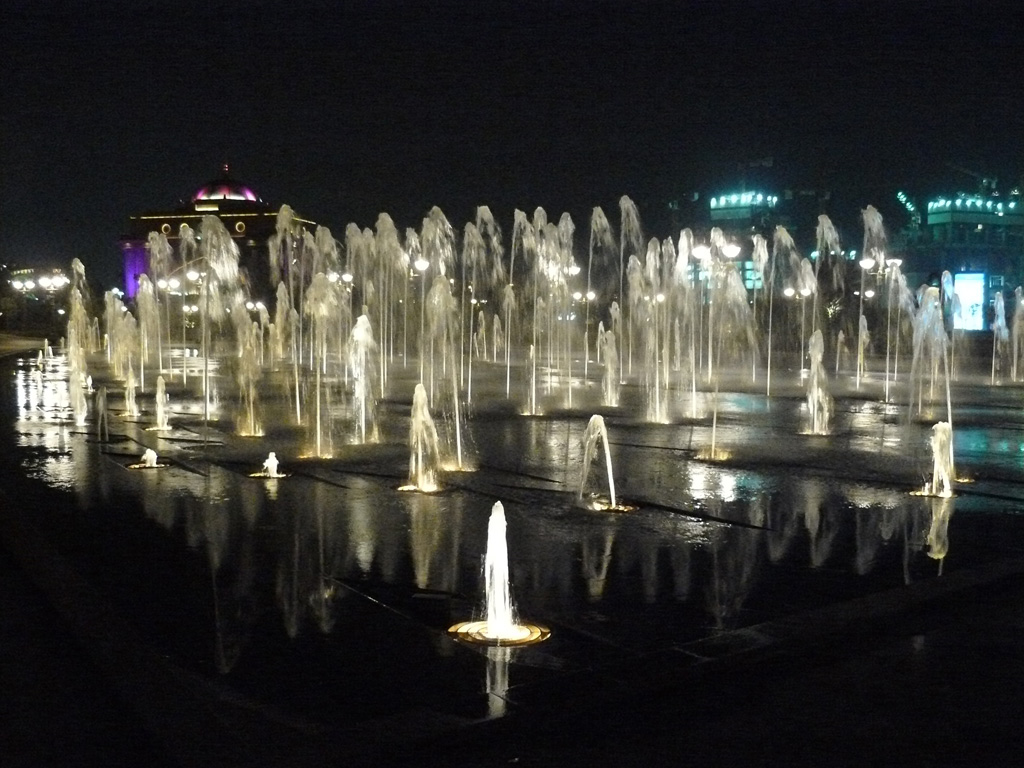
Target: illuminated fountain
(597, 432)
(162, 422)
(942, 461)
(270, 468)
(424, 456)
(131, 407)
(500, 625)
(360, 350)
(149, 461)
(819, 401)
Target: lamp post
(703, 255)
(421, 266)
(867, 263)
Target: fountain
(1000, 334)
(131, 407)
(361, 347)
(149, 461)
(162, 422)
(819, 401)
(596, 431)
(610, 380)
(270, 468)
(424, 457)
(102, 416)
(500, 625)
(344, 528)
(941, 484)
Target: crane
(986, 184)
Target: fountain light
(499, 626)
(149, 461)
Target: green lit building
(979, 240)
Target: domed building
(249, 220)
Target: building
(247, 217)
(979, 239)
(33, 299)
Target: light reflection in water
(563, 559)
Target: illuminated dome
(225, 188)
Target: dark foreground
(925, 678)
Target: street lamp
(421, 266)
(866, 263)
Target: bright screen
(970, 288)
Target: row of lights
(971, 202)
(745, 198)
(46, 282)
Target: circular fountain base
(477, 632)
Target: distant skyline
(347, 110)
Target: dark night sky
(344, 110)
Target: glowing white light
(869, 293)
(805, 291)
(731, 250)
(60, 311)
(660, 297)
(44, 282)
(421, 265)
(174, 283)
(577, 296)
(788, 293)
(346, 277)
(18, 285)
(591, 295)
(161, 284)
(192, 275)
(702, 252)
(250, 306)
(574, 270)
(332, 276)
(867, 262)
(29, 285)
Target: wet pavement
(304, 625)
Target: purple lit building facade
(250, 221)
